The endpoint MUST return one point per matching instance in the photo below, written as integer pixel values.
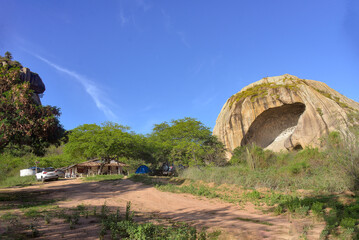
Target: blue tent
(143, 169)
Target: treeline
(184, 141)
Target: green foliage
(186, 141)
(317, 208)
(127, 228)
(108, 141)
(8, 55)
(22, 121)
(334, 98)
(17, 181)
(320, 111)
(11, 162)
(348, 222)
(253, 156)
(255, 221)
(260, 90)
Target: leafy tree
(8, 55)
(110, 141)
(186, 141)
(22, 121)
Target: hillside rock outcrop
(283, 113)
(35, 81)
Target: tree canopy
(186, 141)
(183, 141)
(109, 141)
(23, 122)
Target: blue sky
(141, 62)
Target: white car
(60, 173)
(47, 174)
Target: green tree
(22, 121)
(110, 141)
(8, 55)
(186, 141)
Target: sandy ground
(152, 203)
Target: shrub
(348, 223)
(317, 208)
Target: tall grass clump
(343, 151)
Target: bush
(255, 157)
(348, 223)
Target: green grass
(24, 200)
(261, 90)
(98, 178)
(255, 221)
(17, 181)
(8, 216)
(334, 98)
(308, 169)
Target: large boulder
(283, 113)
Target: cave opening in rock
(298, 147)
(274, 126)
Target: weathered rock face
(282, 112)
(35, 81)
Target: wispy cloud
(123, 19)
(96, 94)
(183, 38)
(143, 4)
(167, 20)
(171, 29)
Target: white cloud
(96, 94)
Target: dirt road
(148, 201)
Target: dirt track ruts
(201, 212)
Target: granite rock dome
(283, 113)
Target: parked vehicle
(47, 174)
(60, 173)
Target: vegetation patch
(255, 221)
(17, 181)
(260, 90)
(334, 98)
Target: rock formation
(283, 112)
(35, 81)
(36, 84)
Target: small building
(91, 168)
